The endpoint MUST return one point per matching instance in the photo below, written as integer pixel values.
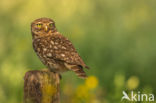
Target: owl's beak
(46, 28)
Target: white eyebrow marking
(39, 22)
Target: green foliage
(116, 38)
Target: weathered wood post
(41, 86)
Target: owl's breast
(42, 48)
(45, 50)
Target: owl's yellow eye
(51, 24)
(39, 25)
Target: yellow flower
(91, 82)
(133, 82)
(82, 91)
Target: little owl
(54, 50)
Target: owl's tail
(78, 70)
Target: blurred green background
(116, 38)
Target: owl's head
(42, 27)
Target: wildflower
(82, 91)
(91, 82)
(133, 82)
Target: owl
(55, 51)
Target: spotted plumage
(55, 50)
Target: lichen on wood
(41, 86)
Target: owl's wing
(62, 49)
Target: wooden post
(41, 86)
